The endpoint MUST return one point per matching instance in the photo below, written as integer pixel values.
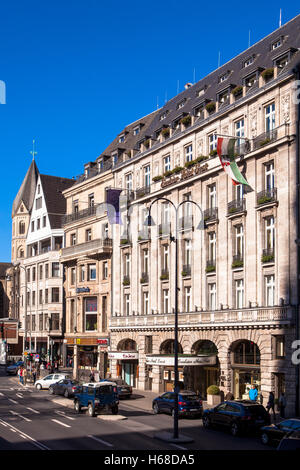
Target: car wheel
(77, 406)
(206, 422)
(234, 429)
(265, 438)
(155, 409)
(38, 387)
(114, 410)
(66, 394)
(51, 390)
(91, 410)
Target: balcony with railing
(164, 274)
(236, 206)
(268, 255)
(264, 139)
(141, 192)
(186, 270)
(267, 196)
(126, 280)
(210, 266)
(238, 260)
(98, 246)
(257, 316)
(91, 172)
(79, 215)
(144, 235)
(211, 215)
(164, 229)
(185, 223)
(144, 278)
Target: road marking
(31, 409)
(21, 416)
(19, 395)
(21, 433)
(59, 422)
(13, 401)
(1, 394)
(63, 413)
(100, 440)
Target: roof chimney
(188, 85)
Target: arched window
(21, 228)
(246, 352)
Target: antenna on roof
(33, 152)
(249, 38)
(157, 106)
(194, 77)
(219, 59)
(166, 96)
(177, 87)
(280, 18)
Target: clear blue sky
(77, 72)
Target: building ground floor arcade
(232, 358)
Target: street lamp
(18, 265)
(149, 222)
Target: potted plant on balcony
(190, 163)
(147, 143)
(238, 263)
(237, 91)
(168, 173)
(165, 132)
(264, 199)
(126, 282)
(267, 258)
(210, 107)
(213, 153)
(164, 276)
(157, 178)
(213, 395)
(124, 241)
(210, 268)
(186, 121)
(177, 169)
(265, 142)
(201, 158)
(267, 74)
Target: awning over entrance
(183, 360)
(123, 355)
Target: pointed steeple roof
(27, 190)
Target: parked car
(13, 369)
(189, 403)
(49, 380)
(237, 416)
(291, 441)
(275, 432)
(124, 390)
(65, 387)
(96, 397)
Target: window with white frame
(82, 273)
(269, 233)
(239, 293)
(188, 252)
(91, 314)
(188, 298)
(145, 260)
(145, 303)
(239, 127)
(239, 191)
(136, 130)
(127, 264)
(189, 153)
(167, 163)
(239, 241)
(105, 269)
(92, 272)
(212, 296)
(147, 175)
(165, 300)
(212, 246)
(212, 196)
(127, 304)
(212, 142)
(269, 176)
(165, 213)
(270, 117)
(270, 290)
(122, 138)
(165, 260)
(128, 181)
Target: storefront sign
(123, 355)
(182, 360)
(103, 341)
(81, 290)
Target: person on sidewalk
(20, 374)
(253, 393)
(271, 405)
(92, 376)
(282, 405)
(34, 375)
(229, 396)
(24, 376)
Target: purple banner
(113, 206)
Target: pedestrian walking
(282, 405)
(24, 375)
(271, 404)
(34, 375)
(20, 374)
(92, 376)
(253, 393)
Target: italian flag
(225, 150)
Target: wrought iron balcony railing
(186, 270)
(235, 206)
(266, 196)
(211, 214)
(268, 255)
(264, 139)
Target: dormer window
(248, 61)
(250, 80)
(199, 111)
(136, 131)
(115, 158)
(163, 116)
(122, 138)
(276, 44)
(201, 92)
(223, 97)
(224, 77)
(282, 61)
(181, 104)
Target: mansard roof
(27, 190)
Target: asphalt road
(34, 420)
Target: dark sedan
(237, 416)
(65, 387)
(124, 390)
(189, 404)
(13, 369)
(275, 432)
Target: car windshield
(189, 396)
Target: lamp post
(149, 222)
(18, 265)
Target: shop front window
(91, 314)
(247, 352)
